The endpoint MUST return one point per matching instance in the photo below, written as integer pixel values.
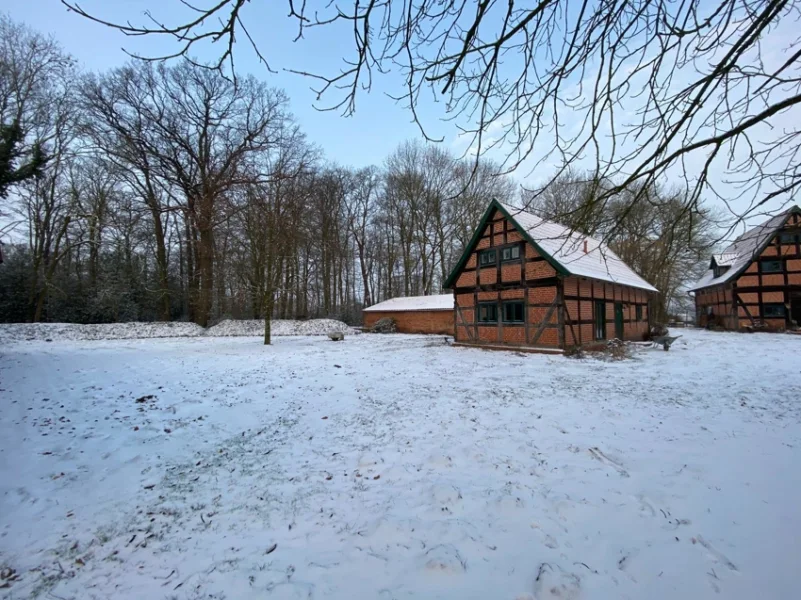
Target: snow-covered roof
(724, 259)
(412, 303)
(567, 248)
(742, 251)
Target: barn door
(600, 320)
(795, 309)
(619, 320)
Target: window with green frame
(638, 312)
(790, 238)
(486, 257)
(510, 253)
(487, 312)
(513, 312)
(771, 266)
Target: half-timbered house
(527, 282)
(756, 281)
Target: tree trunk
(206, 270)
(161, 260)
(191, 275)
(94, 247)
(268, 311)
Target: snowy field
(398, 467)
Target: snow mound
(21, 332)
(18, 332)
(279, 327)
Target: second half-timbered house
(755, 281)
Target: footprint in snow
(508, 505)
(445, 498)
(439, 460)
(444, 559)
(646, 508)
(553, 582)
(715, 554)
(547, 540)
(598, 455)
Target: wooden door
(619, 320)
(795, 309)
(600, 320)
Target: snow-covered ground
(16, 332)
(398, 467)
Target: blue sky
(378, 126)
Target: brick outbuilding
(527, 282)
(415, 314)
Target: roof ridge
(548, 221)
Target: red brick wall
(720, 300)
(420, 321)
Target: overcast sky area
(379, 124)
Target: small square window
(638, 312)
(510, 253)
(513, 312)
(487, 257)
(789, 238)
(771, 266)
(488, 313)
(718, 271)
(772, 310)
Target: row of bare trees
(172, 192)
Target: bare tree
(31, 65)
(361, 212)
(120, 125)
(48, 202)
(201, 134)
(664, 242)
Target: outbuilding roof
(413, 303)
(743, 250)
(569, 252)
